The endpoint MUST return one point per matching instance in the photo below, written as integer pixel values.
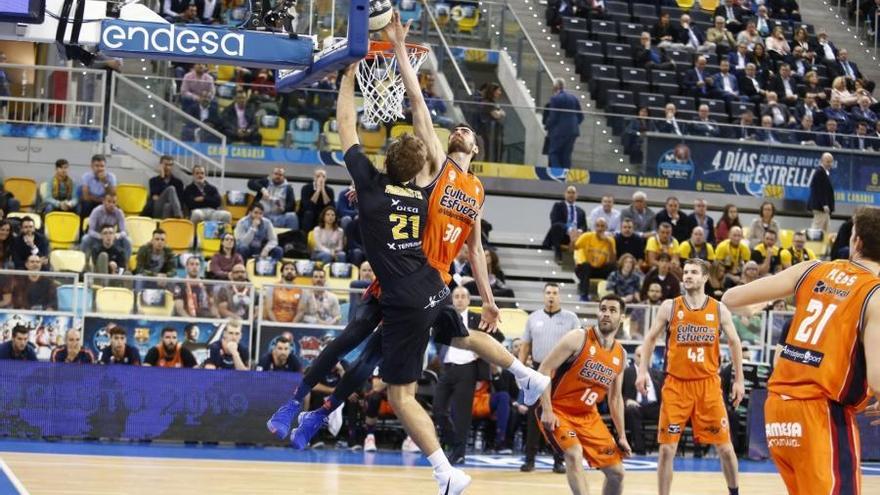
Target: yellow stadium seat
(238, 211)
(685, 4)
(67, 260)
(140, 230)
(602, 289)
(272, 136)
(258, 280)
(311, 240)
(442, 134)
(209, 247)
(179, 234)
(38, 221)
(340, 285)
(132, 262)
(132, 198)
(166, 310)
(24, 189)
(785, 238)
(62, 229)
(225, 73)
(708, 5)
(468, 24)
(304, 269)
(400, 129)
(513, 322)
(476, 309)
(373, 140)
(330, 136)
(115, 300)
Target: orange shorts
(481, 407)
(587, 430)
(699, 401)
(815, 445)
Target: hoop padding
(381, 83)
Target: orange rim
(387, 49)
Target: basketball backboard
(330, 35)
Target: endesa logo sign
(195, 43)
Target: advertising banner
(752, 169)
(46, 331)
(138, 403)
(197, 43)
(145, 333)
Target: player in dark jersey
(392, 214)
(443, 237)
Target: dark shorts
(448, 326)
(407, 316)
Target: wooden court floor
(103, 475)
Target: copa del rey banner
(755, 169)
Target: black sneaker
(558, 466)
(457, 460)
(527, 466)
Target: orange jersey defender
(453, 209)
(822, 354)
(580, 384)
(692, 340)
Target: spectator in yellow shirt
(696, 247)
(798, 251)
(662, 242)
(733, 252)
(595, 256)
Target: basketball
(380, 14)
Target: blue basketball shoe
(279, 423)
(309, 424)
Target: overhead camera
(264, 17)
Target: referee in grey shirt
(543, 330)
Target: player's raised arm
(421, 116)
(735, 345)
(660, 323)
(346, 117)
(766, 289)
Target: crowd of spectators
(753, 71)
(647, 249)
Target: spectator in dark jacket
(567, 222)
(671, 214)
(314, 197)
(166, 192)
(277, 197)
(821, 200)
(652, 57)
(700, 218)
(662, 274)
(155, 259)
(238, 122)
(28, 243)
(208, 113)
(346, 206)
(203, 200)
(563, 127)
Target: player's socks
(532, 386)
(279, 423)
(301, 392)
(309, 424)
(439, 461)
(371, 429)
(518, 369)
(733, 491)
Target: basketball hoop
(381, 83)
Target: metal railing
(53, 96)
(862, 25)
(151, 126)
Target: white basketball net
(382, 85)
